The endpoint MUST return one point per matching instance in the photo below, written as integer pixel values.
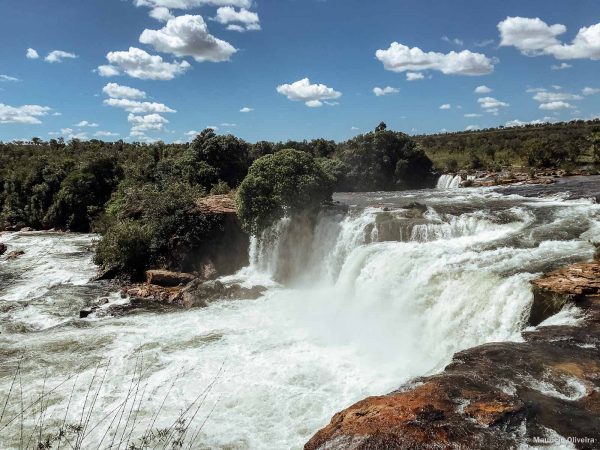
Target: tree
(286, 183)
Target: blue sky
(305, 68)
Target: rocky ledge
(498, 395)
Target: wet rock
(553, 291)
(167, 278)
(415, 210)
(3, 248)
(14, 254)
(27, 229)
(497, 395)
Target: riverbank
(541, 391)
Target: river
(358, 306)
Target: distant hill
(562, 144)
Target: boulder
(201, 294)
(167, 278)
(15, 254)
(3, 248)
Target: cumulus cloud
(546, 96)
(413, 76)
(188, 36)
(472, 115)
(8, 78)
(57, 56)
(27, 114)
(388, 90)
(561, 66)
(556, 105)
(246, 109)
(590, 91)
(491, 105)
(85, 123)
(115, 90)
(446, 106)
(242, 20)
(520, 123)
(454, 41)
(400, 58)
(228, 125)
(482, 90)
(148, 122)
(139, 64)
(472, 127)
(313, 95)
(161, 14)
(137, 107)
(190, 4)
(105, 134)
(32, 54)
(534, 37)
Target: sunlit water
(356, 307)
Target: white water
(448, 181)
(346, 315)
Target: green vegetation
(564, 144)
(143, 198)
(286, 183)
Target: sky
(147, 70)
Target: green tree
(286, 183)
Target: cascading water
(447, 181)
(358, 303)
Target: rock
(217, 204)
(26, 229)
(85, 312)
(497, 395)
(15, 254)
(553, 291)
(167, 278)
(3, 248)
(415, 210)
(106, 274)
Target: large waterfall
(359, 301)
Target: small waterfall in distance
(449, 181)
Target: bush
(283, 184)
(125, 248)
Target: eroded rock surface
(498, 395)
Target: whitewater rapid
(358, 303)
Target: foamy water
(357, 304)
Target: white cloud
(388, 90)
(472, 127)
(191, 4)
(312, 94)
(354, 128)
(561, 66)
(85, 123)
(57, 56)
(446, 106)
(484, 43)
(7, 78)
(28, 114)
(482, 90)
(161, 14)
(32, 54)
(139, 64)
(556, 105)
(520, 123)
(534, 37)
(245, 109)
(472, 115)
(546, 96)
(115, 90)
(454, 41)
(491, 105)
(149, 122)
(413, 76)
(590, 91)
(136, 107)
(188, 36)
(105, 134)
(227, 15)
(192, 133)
(400, 58)
(228, 125)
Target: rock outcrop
(3, 248)
(168, 278)
(498, 395)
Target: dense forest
(142, 198)
(564, 144)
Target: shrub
(283, 184)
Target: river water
(356, 306)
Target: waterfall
(448, 181)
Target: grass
(50, 421)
